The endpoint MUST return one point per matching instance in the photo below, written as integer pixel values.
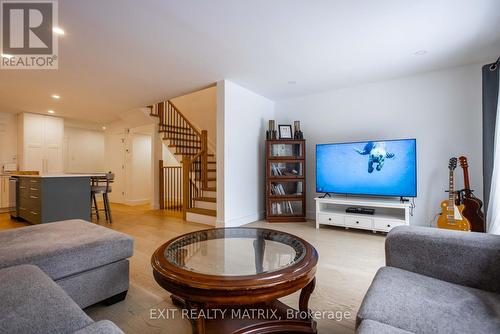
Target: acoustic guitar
(451, 217)
(472, 211)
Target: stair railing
(171, 187)
(192, 144)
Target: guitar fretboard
(451, 198)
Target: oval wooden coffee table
(230, 279)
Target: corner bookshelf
(285, 180)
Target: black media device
(362, 211)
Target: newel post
(204, 158)
(186, 165)
(162, 186)
(161, 113)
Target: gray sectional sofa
(32, 303)
(61, 267)
(435, 281)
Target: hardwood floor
(348, 260)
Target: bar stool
(102, 185)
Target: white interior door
(139, 169)
(115, 162)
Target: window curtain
(491, 146)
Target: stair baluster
(188, 183)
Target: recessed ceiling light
(292, 82)
(7, 55)
(58, 30)
(103, 128)
(51, 111)
(420, 52)
(56, 97)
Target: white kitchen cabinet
(41, 143)
(5, 193)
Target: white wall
(240, 173)
(441, 109)
(169, 159)
(84, 150)
(8, 138)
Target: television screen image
(376, 168)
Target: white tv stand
(388, 213)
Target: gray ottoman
(32, 303)
(88, 261)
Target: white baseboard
(133, 202)
(243, 220)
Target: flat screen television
(375, 168)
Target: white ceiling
(123, 54)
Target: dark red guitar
(473, 205)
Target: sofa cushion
(30, 302)
(63, 248)
(100, 327)
(422, 304)
(375, 327)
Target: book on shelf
(282, 208)
(285, 180)
(278, 189)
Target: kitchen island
(49, 198)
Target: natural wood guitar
(472, 211)
(452, 217)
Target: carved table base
(263, 318)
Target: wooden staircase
(191, 189)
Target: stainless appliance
(13, 181)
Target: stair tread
(206, 212)
(212, 162)
(206, 199)
(181, 133)
(185, 140)
(178, 133)
(184, 146)
(174, 127)
(209, 179)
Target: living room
(232, 167)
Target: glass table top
(235, 251)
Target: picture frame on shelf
(285, 131)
